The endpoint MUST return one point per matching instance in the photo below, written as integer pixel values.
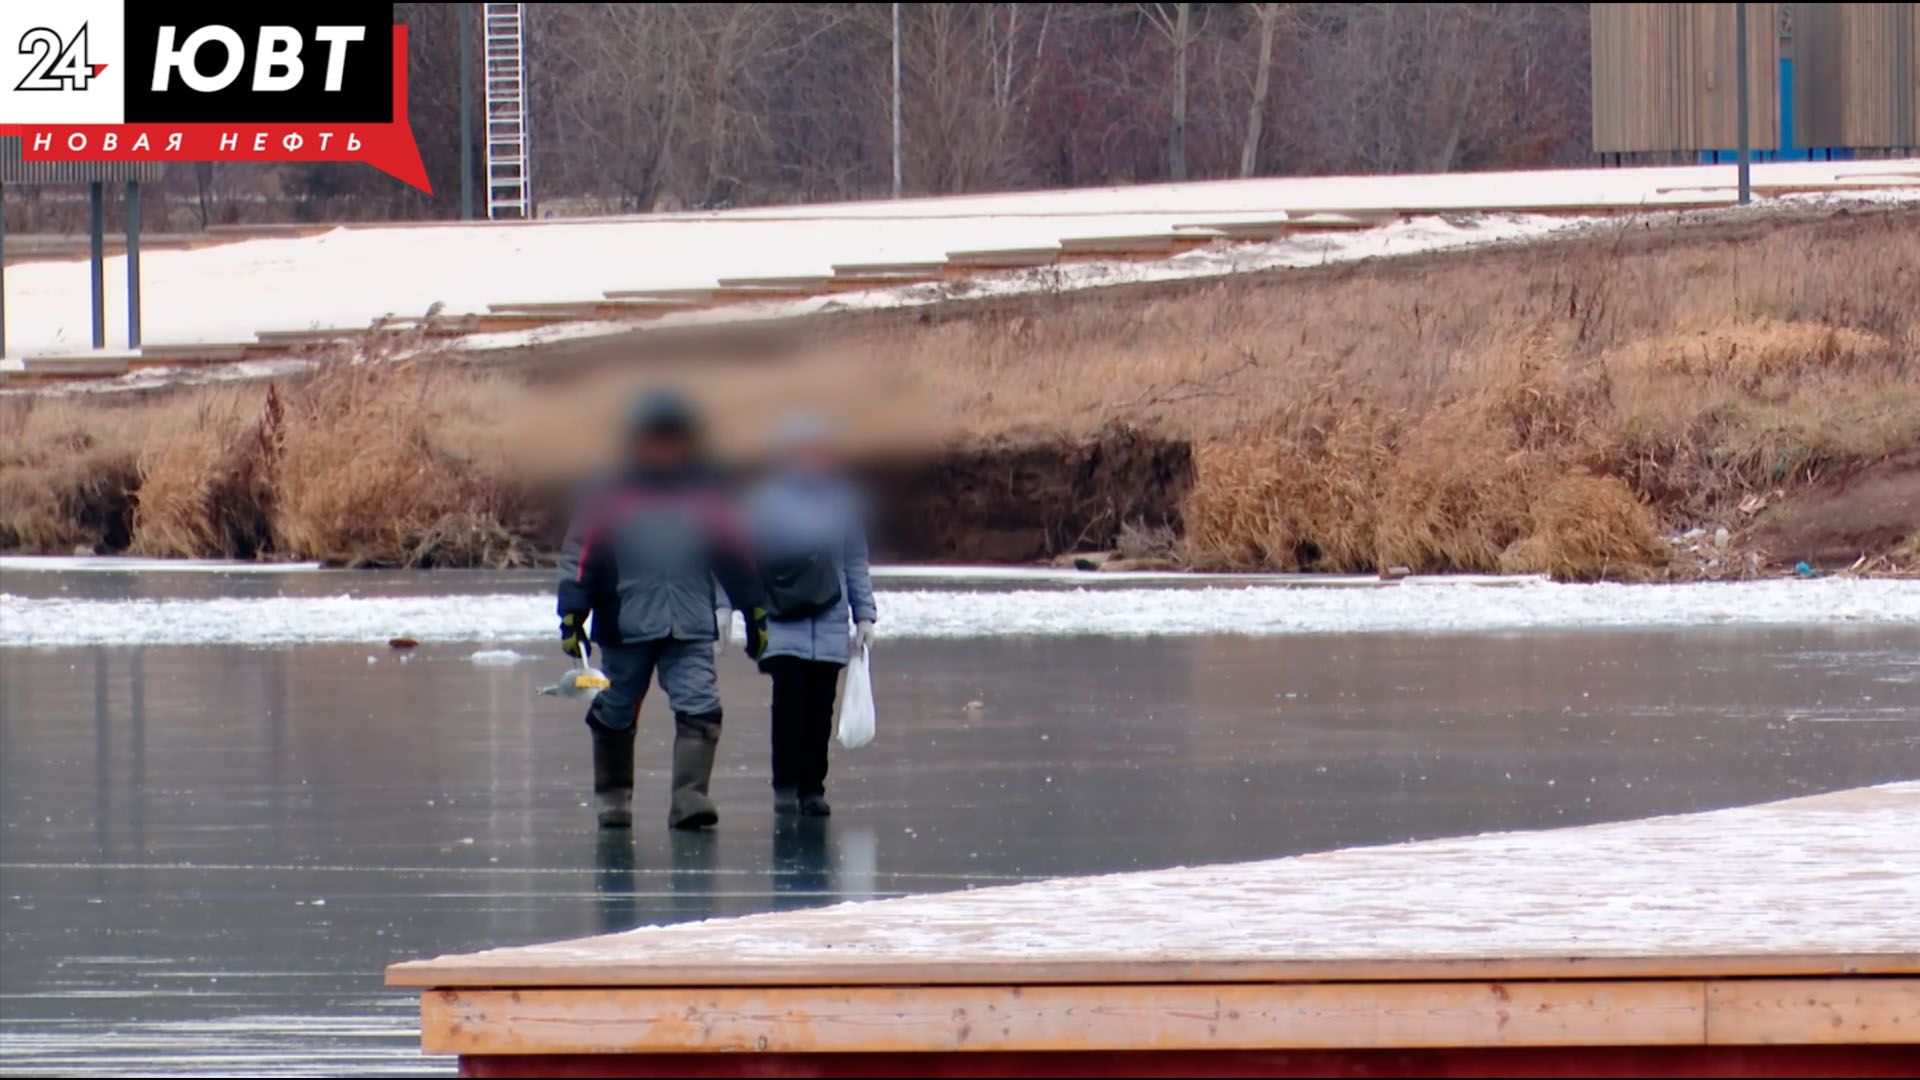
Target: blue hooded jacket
(798, 512)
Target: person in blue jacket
(806, 526)
(645, 548)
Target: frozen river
(215, 830)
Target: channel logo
(135, 80)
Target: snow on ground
(345, 278)
(1431, 607)
(1827, 875)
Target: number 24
(57, 65)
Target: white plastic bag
(855, 725)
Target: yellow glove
(756, 632)
(573, 633)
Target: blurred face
(811, 456)
(662, 452)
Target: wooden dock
(1781, 939)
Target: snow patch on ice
(498, 657)
(1432, 607)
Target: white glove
(723, 622)
(863, 634)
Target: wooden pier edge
(535, 967)
(1131, 1018)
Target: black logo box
(366, 86)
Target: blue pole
(97, 250)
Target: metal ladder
(509, 182)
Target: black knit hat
(663, 413)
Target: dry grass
(65, 469)
(1551, 407)
(1442, 413)
(1588, 528)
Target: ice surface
(127, 564)
(1434, 606)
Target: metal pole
(97, 220)
(896, 101)
(1746, 148)
(133, 264)
(466, 112)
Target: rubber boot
(696, 741)
(616, 808)
(612, 775)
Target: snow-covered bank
(1411, 237)
(345, 278)
(1431, 607)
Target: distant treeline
(670, 106)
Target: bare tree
(667, 105)
(1266, 17)
(971, 70)
(1175, 23)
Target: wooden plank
(888, 269)
(859, 284)
(575, 310)
(70, 366)
(561, 309)
(1364, 219)
(963, 262)
(297, 338)
(1192, 239)
(746, 294)
(1061, 1018)
(194, 354)
(1269, 229)
(1139, 245)
(688, 296)
(1791, 1011)
(533, 967)
(802, 283)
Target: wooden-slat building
(1857, 74)
(1665, 77)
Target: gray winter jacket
(643, 553)
(798, 513)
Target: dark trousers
(803, 692)
(686, 673)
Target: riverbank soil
(1713, 395)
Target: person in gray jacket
(807, 530)
(641, 558)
